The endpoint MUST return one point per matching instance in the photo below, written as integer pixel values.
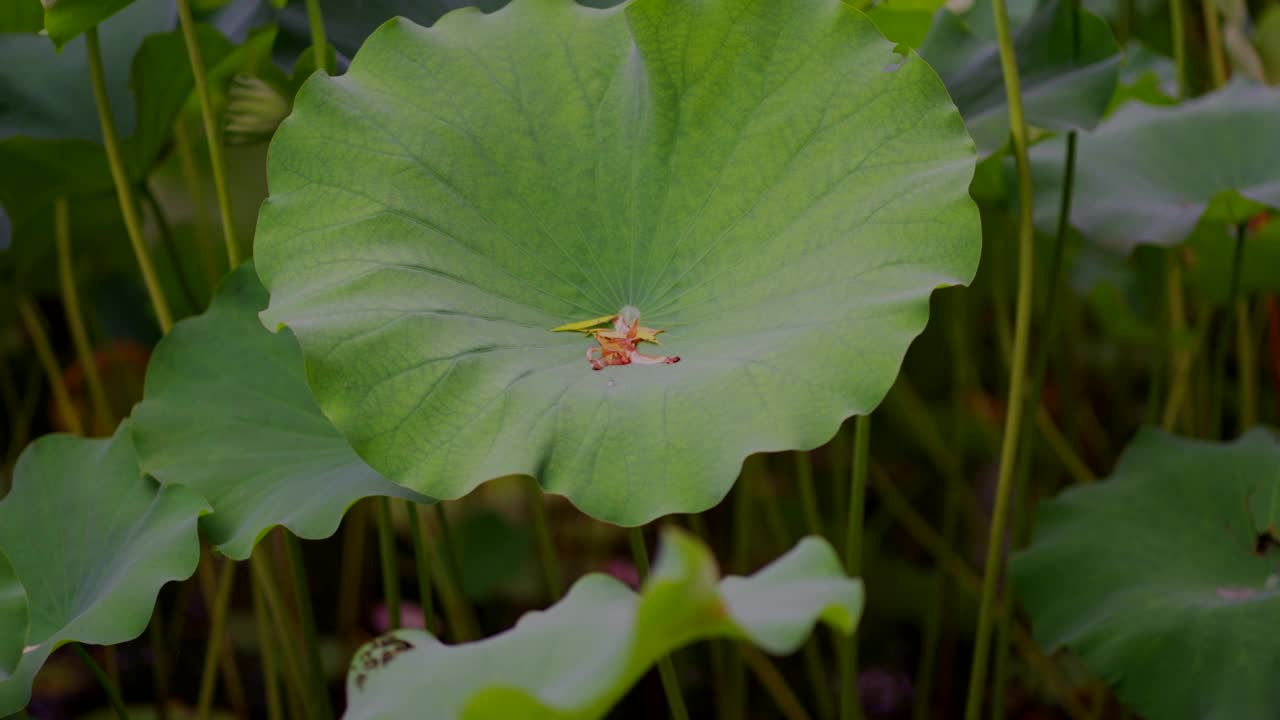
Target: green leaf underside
(65, 19)
(1165, 596)
(92, 541)
(575, 660)
(1132, 189)
(227, 412)
(1065, 86)
(767, 182)
(13, 617)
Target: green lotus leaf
(768, 183)
(575, 660)
(1164, 577)
(1130, 189)
(66, 19)
(1065, 86)
(92, 540)
(21, 16)
(227, 412)
(13, 617)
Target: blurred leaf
(578, 658)
(92, 540)
(1159, 579)
(21, 16)
(428, 228)
(494, 551)
(1211, 254)
(227, 413)
(66, 19)
(1146, 77)
(904, 21)
(1065, 85)
(1149, 174)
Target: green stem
(351, 570)
(217, 628)
(773, 683)
(1178, 23)
(719, 668)
(208, 583)
(75, 317)
(33, 322)
(264, 576)
(159, 664)
(666, 669)
(423, 566)
(850, 703)
(183, 146)
(124, 189)
(993, 569)
(1213, 38)
(319, 45)
(462, 618)
(1248, 367)
(932, 631)
(165, 230)
(1061, 447)
(267, 646)
(307, 619)
(740, 561)
(546, 544)
(808, 493)
(390, 571)
(1220, 347)
(113, 693)
(211, 130)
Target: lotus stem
(462, 619)
(1220, 347)
(209, 590)
(212, 133)
(217, 628)
(267, 646)
(75, 316)
(185, 150)
(124, 189)
(319, 45)
(390, 571)
(422, 564)
(547, 558)
(850, 703)
(1213, 39)
(307, 618)
(993, 569)
(773, 683)
(264, 577)
(113, 692)
(33, 322)
(808, 493)
(666, 669)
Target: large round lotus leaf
(13, 617)
(1132, 189)
(766, 182)
(575, 660)
(92, 540)
(227, 412)
(1068, 64)
(1165, 578)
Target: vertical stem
(546, 544)
(1247, 367)
(808, 493)
(773, 683)
(1220, 347)
(926, 671)
(390, 570)
(267, 646)
(850, 703)
(423, 566)
(1180, 381)
(1273, 334)
(351, 572)
(1178, 29)
(217, 627)
(319, 45)
(666, 669)
(113, 693)
(740, 561)
(1213, 38)
(211, 130)
(1022, 332)
(208, 583)
(462, 617)
(263, 575)
(75, 317)
(159, 664)
(124, 190)
(34, 325)
(185, 150)
(307, 618)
